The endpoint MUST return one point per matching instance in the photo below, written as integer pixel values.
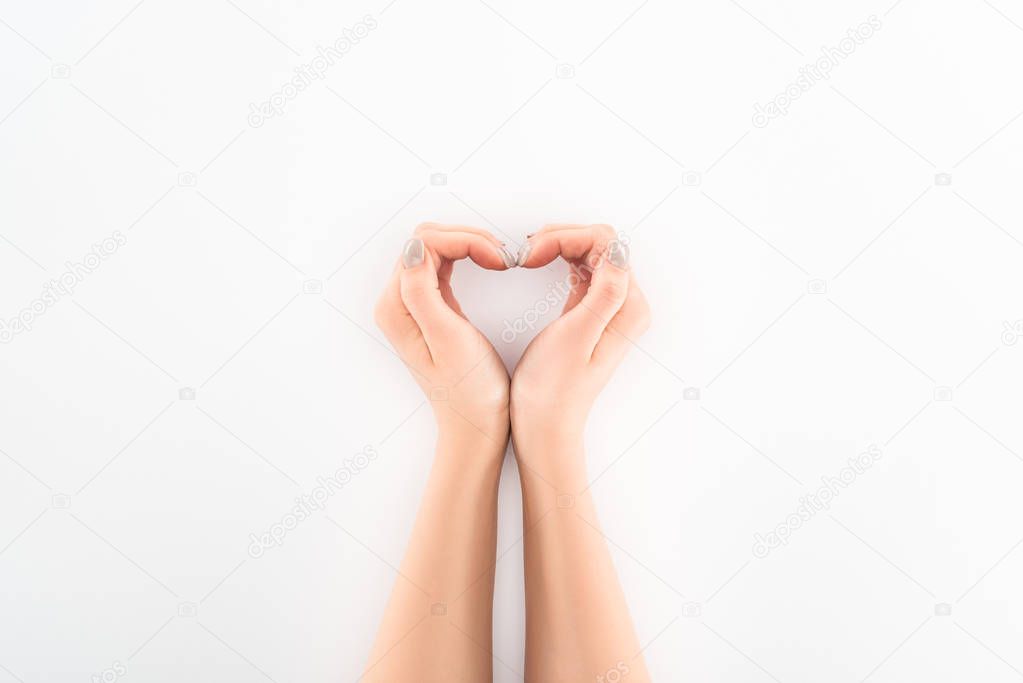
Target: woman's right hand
(569, 362)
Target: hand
(456, 366)
(569, 362)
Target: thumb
(421, 294)
(609, 287)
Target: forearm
(578, 626)
(437, 625)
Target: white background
(810, 279)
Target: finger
(551, 227)
(398, 325)
(453, 245)
(458, 228)
(390, 312)
(498, 241)
(421, 294)
(579, 245)
(608, 290)
(554, 227)
(444, 280)
(572, 286)
(631, 321)
(579, 283)
(573, 243)
(507, 256)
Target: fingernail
(618, 254)
(506, 256)
(524, 254)
(413, 252)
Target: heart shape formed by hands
(563, 368)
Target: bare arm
(578, 626)
(437, 624)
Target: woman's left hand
(457, 367)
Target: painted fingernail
(413, 252)
(618, 254)
(506, 256)
(524, 254)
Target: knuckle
(604, 230)
(423, 227)
(614, 291)
(414, 291)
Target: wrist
(547, 442)
(548, 435)
(561, 422)
(463, 441)
(552, 453)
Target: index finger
(455, 244)
(573, 243)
